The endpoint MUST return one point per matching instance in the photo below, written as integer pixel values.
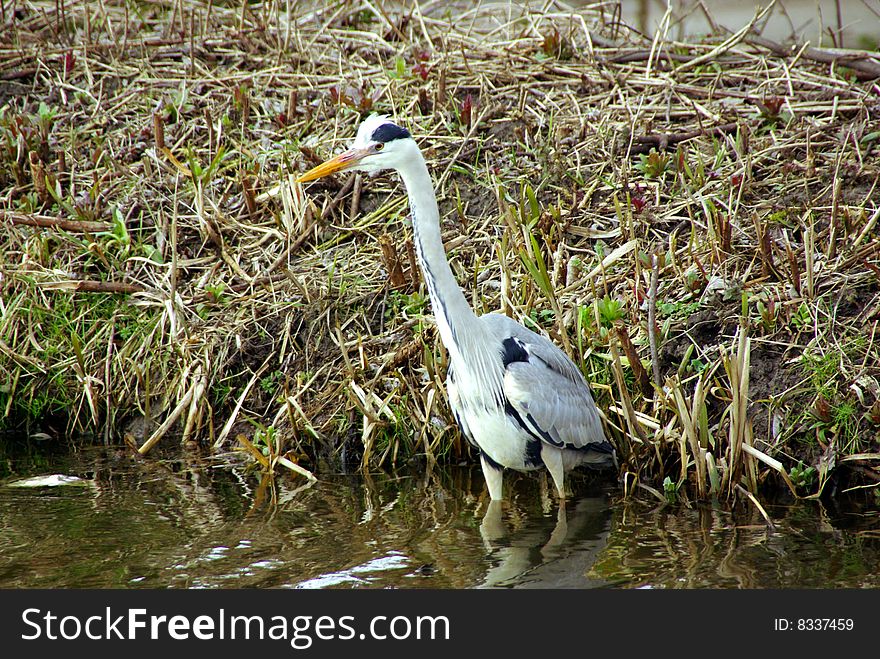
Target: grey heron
(515, 395)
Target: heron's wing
(555, 408)
(546, 390)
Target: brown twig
(108, 287)
(645, 143)
(632, 355)
(865, 65)
(74, 226)
(18, 74)
(90, 286)
(643, 54)
(392, 261)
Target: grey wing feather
(561, 411)
(548, 391)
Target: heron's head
(380, 144)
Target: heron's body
(515, 395)
(542, 415)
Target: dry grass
(160, 270)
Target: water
(855, 25)
(194, 522)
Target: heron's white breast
(500, 437)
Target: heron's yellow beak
(340, 163)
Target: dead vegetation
(696, 223)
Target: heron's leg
(552, 458)
(493, 478)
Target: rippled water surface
(203, 523)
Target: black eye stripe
(389, 132)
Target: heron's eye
(379, 146)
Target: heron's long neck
(455, 318)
